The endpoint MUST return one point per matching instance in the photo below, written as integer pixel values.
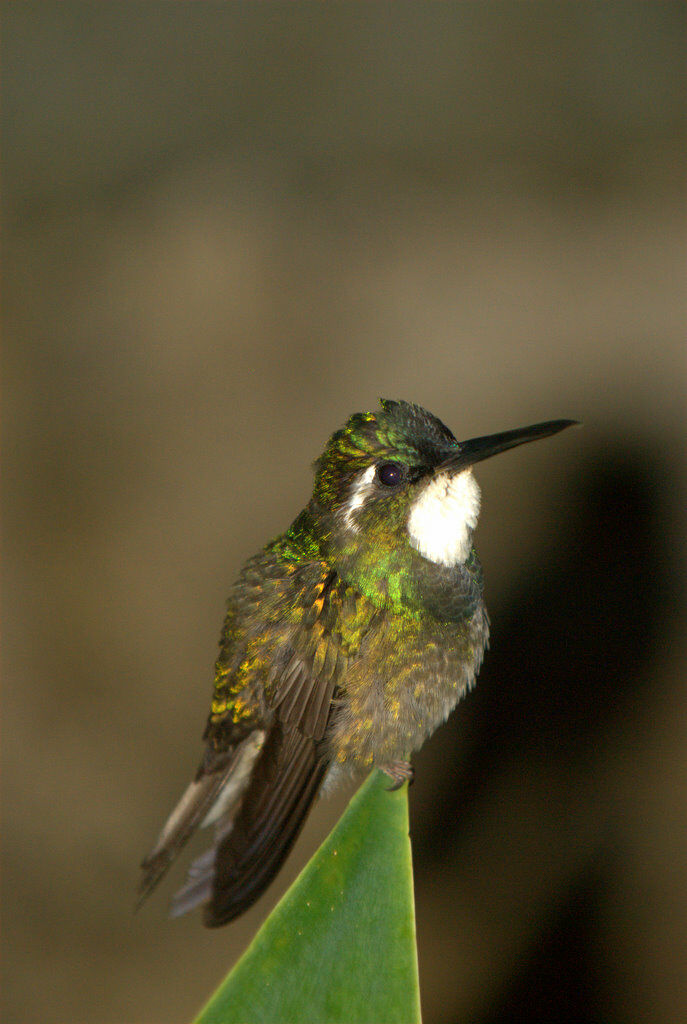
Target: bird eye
(390, 474)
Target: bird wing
(290, 768)
(283, 654)
(277, 801)
(191, 811)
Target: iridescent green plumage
(347, 640)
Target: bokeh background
(228, 226)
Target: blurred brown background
(228, 226)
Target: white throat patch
(442, 518)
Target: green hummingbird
(348, 639)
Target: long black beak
(479, 448)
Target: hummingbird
(347, 641)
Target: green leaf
(340, 946)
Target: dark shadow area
(561, 981)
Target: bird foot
(399, 772)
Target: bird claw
(399, 772)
